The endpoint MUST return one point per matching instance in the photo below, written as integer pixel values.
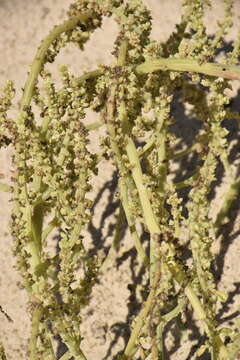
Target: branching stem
(231, 72)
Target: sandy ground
(22, 25)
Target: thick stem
(149, 216)
(189, 65)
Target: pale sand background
(22, 25)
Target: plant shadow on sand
(186, 128)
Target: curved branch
(189, 65)
(41, 53)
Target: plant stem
(109, 119)
(94, 125)
(86, 76)
(175, 312)
(149, 216)
(51, 226)
(218, 345)
(5, 187)
(195, 147)
(66, 356)
(49, 337)
(122, 53)
(117, 152)
(39, 59)
(34, 213)
(141, 317)
(189, 65)
(131, 224)
(189, 180)
(72, 344)
(230, 197)
(34, 332)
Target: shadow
(226, 306)
(96, 232)
(61, 348)
(225, 233)
(186, 129)
(134, 303)
(98, 241)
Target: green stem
(5, 187)
(39, 59)
(148, 146)
(50, 340)
(131, 224)
(50, 227)
(172, 155)
(160, 341)
(122, 53)
(111, 130)
(139, 322)
(229, 198)
(66, 356)
(219, 347)
(126, 184)
(196, 304)
(148, 214)
(35, 216)
(72, 344)
(34, 332)
(32, 245)
(149, 217)
(94, 125)
(175, 312)
(86, 76)
(179, 154)
(189, 180)
(189, 65)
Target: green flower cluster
(7, 127)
